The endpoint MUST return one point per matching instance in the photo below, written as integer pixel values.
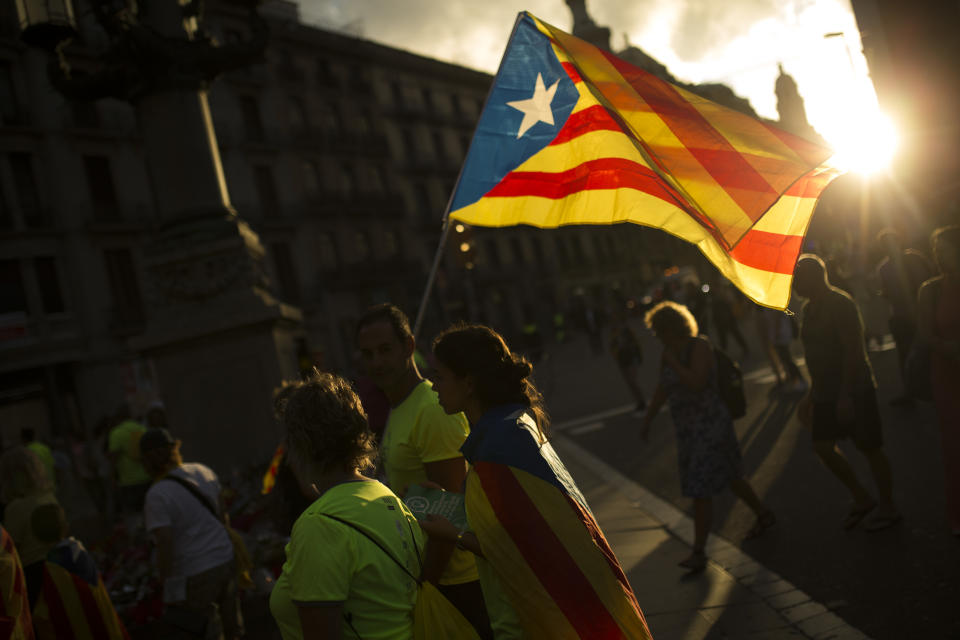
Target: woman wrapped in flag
(546, 569)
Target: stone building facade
(339, 152)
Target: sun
(864, 142)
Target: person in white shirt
(183, 512)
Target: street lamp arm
(141, 60)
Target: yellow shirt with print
(419, 431)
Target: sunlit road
(903, 582)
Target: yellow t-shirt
(418, 431)
(329, 562)
(18, 521)
(130, 471)
(43, 452)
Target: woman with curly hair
(707, 449)
(354, 551)
(545, 567)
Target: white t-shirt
(200, 541)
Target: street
(903, 582)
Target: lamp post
(218, 338)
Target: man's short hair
(388, 313)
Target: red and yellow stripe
(637, 149)
(552, 559)
(15, 619)
(70, 607)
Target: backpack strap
(347, 616)
(382, 548)
(189, 486)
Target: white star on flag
(536, 109)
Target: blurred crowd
(324, 531)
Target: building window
(439, 147)
(6, 217)
(252, 123)
(329, 119)
(493, 254)
(348, 180)
(390, 244)
(378, 183)
(538, 257)
(327, 251)
(361, 124)
(423, 203)
(325, 73)
(519, 255)
(48, 282)
(28, 196)
(9, 109)
(409, 143)
(124, 287)
(287, 282)
(361, 246)
(103, 195)
(399, 97)
(13, 297)
(266, 191)
(311, 179)
(427, 99)
(298, 116)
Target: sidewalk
(734, 597)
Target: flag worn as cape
(571, 134)
(537, 532)
(74, 602)
(15, 619)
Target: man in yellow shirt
(29, 438)
(123, 446)
(420, 443)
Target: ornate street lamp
(46, 23)
(167, 49)
(209, 302)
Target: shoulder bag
(240, 554)
(433, 615)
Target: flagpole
(445, 230)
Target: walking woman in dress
(545, 567)
(939, 329)
(707, 448)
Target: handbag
(433, 615)
(241, 556)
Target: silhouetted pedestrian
(900, 273)
(707, 447)
(842, 402)
(723, 309)
(939, 330)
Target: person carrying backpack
(707, 447)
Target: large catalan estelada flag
(549, 556)
(571, 134)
